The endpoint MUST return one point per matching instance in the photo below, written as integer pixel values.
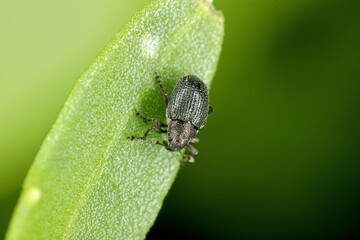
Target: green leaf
(88, 180)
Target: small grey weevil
(186, 114)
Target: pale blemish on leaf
(149, 45)
(32, 196)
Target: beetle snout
(176, 144)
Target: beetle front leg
(165, 94)
(152, 128)
(194, 140)
(186, 158)
(154, 120)
(164, 144)
(191, 149)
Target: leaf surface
(88, 180)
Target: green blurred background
(280, 157)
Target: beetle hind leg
(165, 94)
(211, 111)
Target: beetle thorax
(179, 134)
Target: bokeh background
(280, 158)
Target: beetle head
(179, 134)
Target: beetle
(186, 113)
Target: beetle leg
(191, 149)
(211, 111)
(165, 94)
(194, 140)
(152, 128)
(164, 144)
(186, 158)
(154, 120)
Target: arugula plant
(88, 180)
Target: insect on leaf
(88, 180)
